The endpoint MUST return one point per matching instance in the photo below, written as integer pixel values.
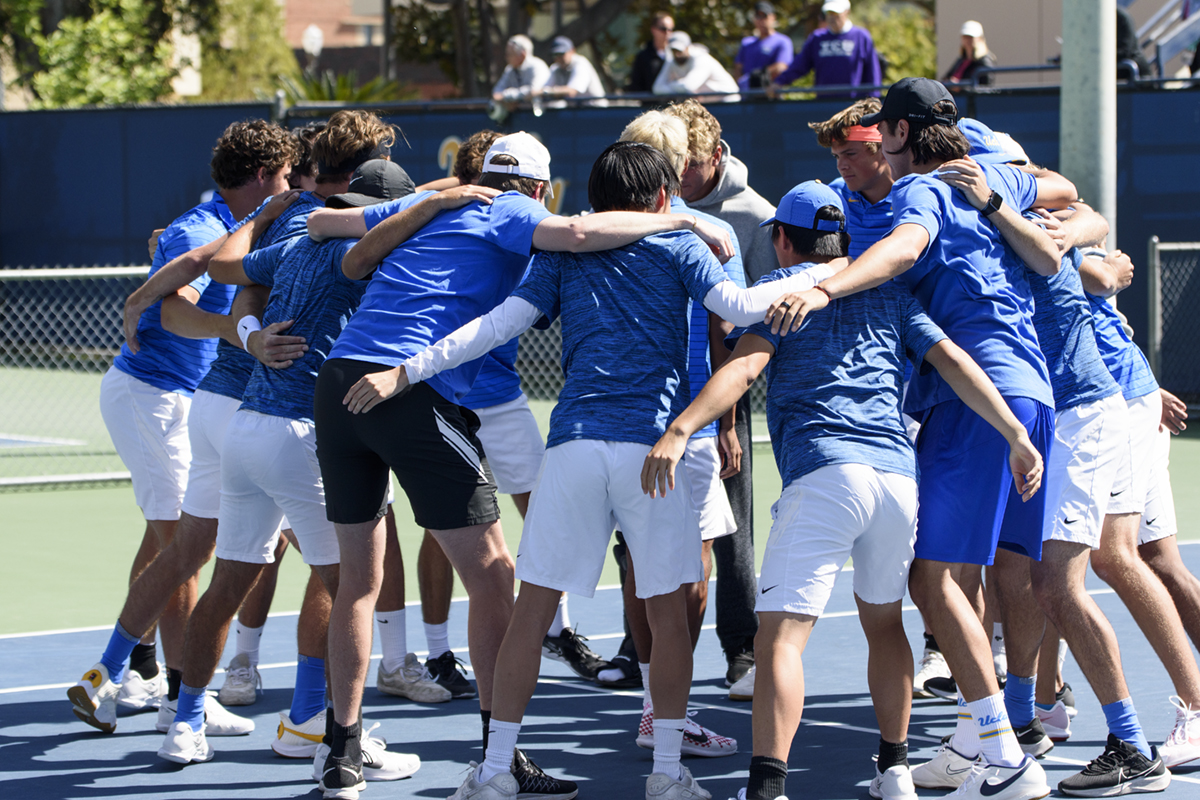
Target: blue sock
(191, 706)
(120, 645)
(1018, 700)
(1123, 724)
(308, 699)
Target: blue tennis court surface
(573, 729)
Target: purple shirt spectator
(757, 54)
(835, 59)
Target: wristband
(824, 291)
(246, 326)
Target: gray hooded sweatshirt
(733, 201)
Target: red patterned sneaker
(697, 740)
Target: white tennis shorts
(702, 460)
(1089, 442)
(1135, 469)
(585, 489)
(207, 423)
(828, 516)
(1158, 520)
(268, 468)
(512, 443)
(149, 428)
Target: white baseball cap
(835, 7)
(971, 28)
(533, 159)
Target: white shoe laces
(968, 785)
(1185, 720)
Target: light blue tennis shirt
(973, 286)
(308, 286)
(699, 356)
(625, 333)
(460, 266)
(1067, 336)
(164, 360)
(1124, 359)
(866, 222)
(834, 386)
(231, 371)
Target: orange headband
(858, 133)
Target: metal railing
(1174, 325)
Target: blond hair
(350, 136)
(703, 130)
(833, 130)
(665, 133)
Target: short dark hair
(930, 143)
(504, 182)
(628, 177)
(306, 166)
(468, 165)
(826, 244)
(246, 147)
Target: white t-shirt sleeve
(473, 340)
(744, 307)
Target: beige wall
(1019, 32)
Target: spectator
(524, 76)
(1128, 49)
(973, 54)
(572, 75)
(691, 69)
(839, 54)
(765, 54)
(650, 59)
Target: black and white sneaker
(447, 671)
(342, 778)
(537, 785)
(570, 648)
(1120, 769)
(1067, 698)
(622, 672)
(945, 688)
(739, 664)
(1033, 739)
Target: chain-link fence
(1174, 318)
(59, 332)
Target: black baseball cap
(913, 99)
(375, 181)
(764, 8)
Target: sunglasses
(664, 29)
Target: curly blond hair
(665, 133)
(703, 130)
(833, 130)
(349, 139)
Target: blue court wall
(87, 187)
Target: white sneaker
(661, 787)
(183, 745)
(894, 783)
(413, 681)
(1183, 745)
(242, 682)
(502, 786)
(932, 665)
(301, 740)
(1056, 721)
(697, 740)
(217, 721)
(744, 688)
(378, 763)
(741, 795)
(139, 694)
(947, 770)
(1026, 781)
(94, 699)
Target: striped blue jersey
(1124, 359)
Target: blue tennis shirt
(835, 386)
(866, 222)
(164, 360)
(1124, 359)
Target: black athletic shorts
(425, 439)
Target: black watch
(993, 205)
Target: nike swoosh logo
(953, 771)
(701, 738)
(1151, 522)
(1070, 521)
(311, 737)
(989, 789)
(383, 622)
(768, 588)
(1114, 494)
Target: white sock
(647, 701)
(966, 737)
(997, 638)
(1062, 654)
(997, 743)
(247, 642)
(668, 742)
(502, 740)
(438, 638)
(562, 619)
(393, 638)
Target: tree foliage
(244, 55)
(345, 88)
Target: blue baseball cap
(989, 146)
(799, 207)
